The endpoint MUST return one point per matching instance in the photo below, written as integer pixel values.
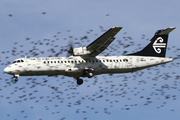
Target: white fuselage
(73, 66)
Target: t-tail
(158, 45)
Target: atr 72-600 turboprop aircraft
(84, 61)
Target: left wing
(99, 45)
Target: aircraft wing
(101, 43)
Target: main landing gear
(86, 73)
(79, 81)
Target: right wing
(99, 45)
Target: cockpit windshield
(18, 61)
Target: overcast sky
(144, 95)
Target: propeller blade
(70, 48)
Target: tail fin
(158, 44)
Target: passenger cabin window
(125, 60)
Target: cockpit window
(14, 62)
(18, 61)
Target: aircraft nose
(7, 70)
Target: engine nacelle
(81, 51)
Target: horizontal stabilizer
(166, 31)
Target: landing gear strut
(79, 81)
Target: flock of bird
(100, 94)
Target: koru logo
(158, 44)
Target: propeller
(70, 48)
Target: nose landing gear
(16, 77)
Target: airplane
(85, 62)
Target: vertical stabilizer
(157, 46)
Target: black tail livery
(158, 44)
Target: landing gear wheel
(16, 79)
(79, 81)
